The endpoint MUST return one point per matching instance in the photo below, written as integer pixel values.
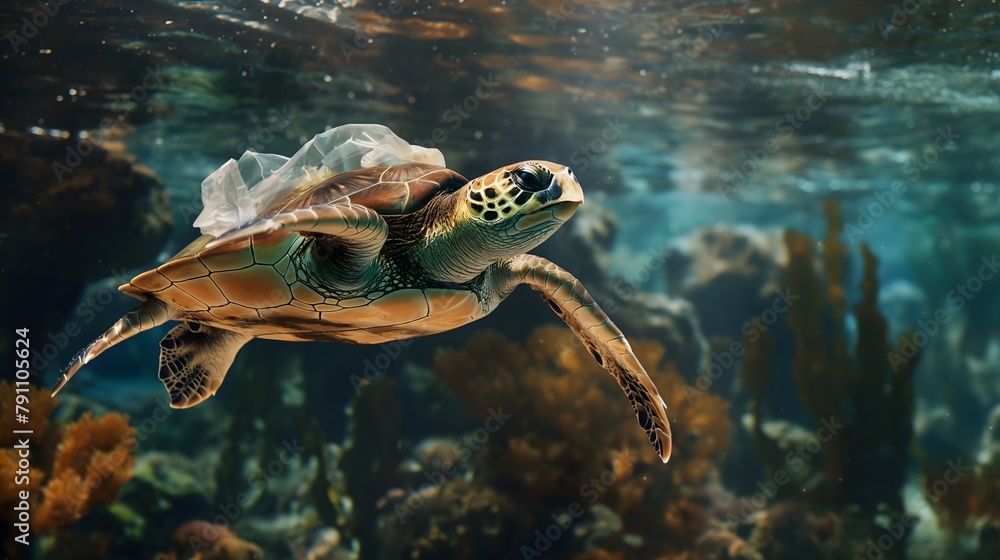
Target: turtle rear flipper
(194, 359)
(150, 314)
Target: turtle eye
(532, 178)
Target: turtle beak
(572, 191)
(565, 196)
(565, 204)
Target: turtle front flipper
(194, 359)
(150, 314)
(349, 234)
(570, 300)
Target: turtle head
(516, 207)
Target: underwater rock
(589, 238)
(982, 372)
(101, 208)
(435, 453)
(460, 519)
(951, 408)
(989, 450)
(787, 437)
(673, 322)
(903, 303)
(170, 484)
(728, 273)
(791, 530)
(325, 545)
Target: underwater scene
(500, 279)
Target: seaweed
(370, 458)
(869, 392)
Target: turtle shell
(393, 190)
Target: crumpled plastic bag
(233, 194)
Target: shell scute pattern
(186, 269)
(206, 291)
(268, 253)
(403, 306)
(305, 294)
(222, 259)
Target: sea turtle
(368, 256)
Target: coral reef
(92, 463)
(73, 468)
(459, 519)
(273, 463)
(201, 540)
(965, 492)
(567, 437)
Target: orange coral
(91, 465)
(971, 498)
(76, 468)
(569, 426)
(201, 540)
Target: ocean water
(792, 214)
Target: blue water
(699, 131)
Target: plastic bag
(232, 194)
